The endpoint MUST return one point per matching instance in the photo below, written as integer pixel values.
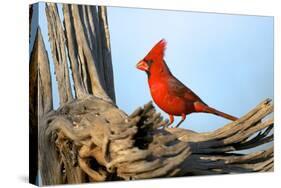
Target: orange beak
(142, 65)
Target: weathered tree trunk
(88, 139)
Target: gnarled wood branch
(111, 145)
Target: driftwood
(57, 41)
(40, 97)
(108, 145)
(89, 139)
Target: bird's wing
(177, 88)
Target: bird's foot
(183, 118)
(177, 125)
(171, 120)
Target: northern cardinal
(168, 92)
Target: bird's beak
(142, 65)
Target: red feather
(157, 51)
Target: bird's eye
(149, 62)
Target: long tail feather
(219, 113)
(201, 107)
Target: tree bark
(89, 139)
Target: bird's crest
(158, 50)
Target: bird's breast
(173, 105)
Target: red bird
(168, 92)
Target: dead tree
(89, 139)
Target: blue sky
(226, 59)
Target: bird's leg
(171, 120)
(183, 116)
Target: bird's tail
(219, 113)
(200, 107)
